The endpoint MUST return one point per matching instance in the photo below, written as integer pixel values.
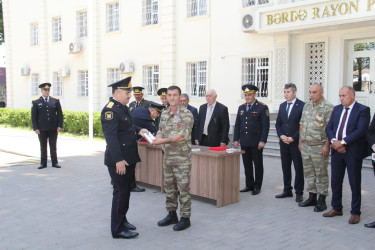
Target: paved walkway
(69, 208)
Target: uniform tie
(287, 109)
(247, 107)
(46, 99)
(341, 128)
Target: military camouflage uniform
(177, 158)
(314, 120)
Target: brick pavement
(69, 208)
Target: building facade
(82, 46)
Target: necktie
(208, 118)
(46, 99)
(287, 109)
(341, 128)
(247, 107)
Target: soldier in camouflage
(174, 134)
(314, 147)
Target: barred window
(56, 85)
(35, 84)
(196, 78)
(151, 79)
(113, 16)
(83, 83)
(34, 34)
(255, 71)
(56, 29)
(248, 3)
(196, 8)
(150, 12)
(81, 24)
(113, 75)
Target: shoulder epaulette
(110, 105)
(261, 103)
(243, 104)
(54, 97)
(36, 99)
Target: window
(150, 12)
(248, 3)
(196, 78)
(196, 8)
(56, 85)
(255, 71)
(83, 83)
(56, 29)
(82, 24)
(34, 34)
(151, 79)
(113, 75)
(34, 84)
(113, 17)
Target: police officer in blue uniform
(139, 100)
(251, 130)
(145, 117)
(47, 120)
(121, 154)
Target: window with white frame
(255, 71)
(56, 85)
(151, 79)
(83, 83)
(34, 84)
(196, 78)
(150, 12)
(113, 75)
(196, 8)
(81, 24)
(34, 34)
(248, 3)
(113, 16)
(56, 29)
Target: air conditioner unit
(248, 22)
(25, 71)
(64, 72)
(127, 67)
(75, 47)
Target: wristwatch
(342, 142)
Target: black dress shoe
(129, 226)
(284, 195)
(182, 224)
(370, 225)
(137, 189)
(42, 166)
(255, 191)
(246, 189)
(126, 234)
(299, 198)
(56, 166)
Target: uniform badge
(108, 115)
(267, 112)
(241, 113)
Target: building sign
(334, 12)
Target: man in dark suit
(47, 120)
(145, 117)
(121, 154)
(213, 122)
(184, 100)
(251, 130)
(371, 143)
(346, 130)
(139, 100)
(287, 127)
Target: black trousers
(340, 162)
(121, 196)
(51, 136)
(253, 155)
(290, 153)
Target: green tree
(1, 23)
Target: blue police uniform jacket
(142, 118)
(46, 116)
(120, 134)
(252, 126)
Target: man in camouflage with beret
(176, 123)
(314, 147)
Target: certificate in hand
(149, 137)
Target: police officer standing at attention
(174, 134)
(121, 154)
(139, 100)
(251, 130)
(47, 120)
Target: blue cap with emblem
(158, 107)
(249, 89)
(124, 84)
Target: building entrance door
(361, 70)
